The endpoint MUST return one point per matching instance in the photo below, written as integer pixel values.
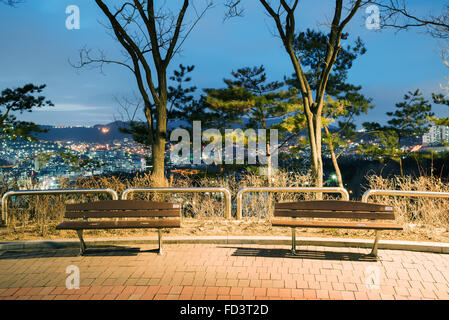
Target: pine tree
(409, 120)
(342, 102)
(250, 95)
(23, 99)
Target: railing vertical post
(293, 240)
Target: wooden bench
(115, 214)
(362, 215)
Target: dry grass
(427, 218)
(422, 218)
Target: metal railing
(47, 192)
(406, 193)
(344, 193)
(225, 191)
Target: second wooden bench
(362, 215)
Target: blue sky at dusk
(36, 48)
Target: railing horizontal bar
(404, 193)
(8, 194)
(344, 193)
(225, 191)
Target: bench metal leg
(160, 241)
(293, 240)
(82, 243)
(374, 250)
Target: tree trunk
(337, 169)
(220, 155)
(319, 168)
(163, 26)
(312, 108)
(313, 121)
(269, 167)
(401, 167)
(158, 176)
(334, 159)
(157, 148)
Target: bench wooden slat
(335, 224)
(387, 215)
(123, 224)
(122, 205)
(335, 205)
(123, 214)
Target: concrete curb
(436, 247)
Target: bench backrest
(123, 209)
(335, 209)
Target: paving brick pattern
(215, 272)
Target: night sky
(36, 47)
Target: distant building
(36, 164)
(143, 164)
(436, 135)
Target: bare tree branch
(396, 14)
(11, 3)
(150, 37)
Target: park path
(217, 271)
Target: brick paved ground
(188, 271)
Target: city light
(105, 130)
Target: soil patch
(220, 227)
